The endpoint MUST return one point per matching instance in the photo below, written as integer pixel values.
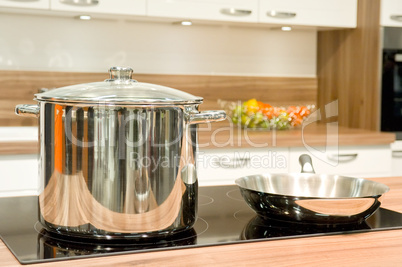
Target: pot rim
(118, 102)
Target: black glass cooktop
(223, 218)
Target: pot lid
(119, 89)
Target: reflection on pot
(260, 227)
(51, 245)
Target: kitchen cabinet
(391, 13)
(325, 13)
(221, 10)
(357, 161)
(224, 166)
(19, 171)
(311, 13)
(35, 4)
(127, 7)
(396, 150)
(19, 176)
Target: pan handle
(306, 164)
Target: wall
(49, 43)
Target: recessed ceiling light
(186, 23)
(286, 28)
(183, 23)
(84, 17)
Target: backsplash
(60, 43)
(19, 87)
(225, 61)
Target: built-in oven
(391, 91)
(391, 81)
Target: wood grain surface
(382, 248)
(19, 87)
(19, 147)
(348, 69)
(223, 135)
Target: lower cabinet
(19, 175)
(224, 166)
(396, 152)
(356, 161)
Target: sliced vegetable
(257, 114)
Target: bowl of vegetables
(254, 114)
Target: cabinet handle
(280, 14)
(234, 163)
(80, 2)
(396, 17)
(342, 157)
(397, 153)
(236, 12)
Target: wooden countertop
(18, 147)
(381, 248)
(223, 135)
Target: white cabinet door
(37, 4)
(396, 148)
(19, 175)
(127, 7)
(325, 13)
(224, 166)
(391, 13)
(224, 10)
(358, 161)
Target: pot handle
(27, 110)
(306, 164)
(207, 116)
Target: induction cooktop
(223, 218)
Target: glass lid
(119, 89)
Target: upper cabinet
(221, 10)
(36, 4)
(321, 13)
(391, 13)
(311, 13)
(127, 7)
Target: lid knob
(120, 73)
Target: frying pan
(311, 198)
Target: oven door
(391, 102)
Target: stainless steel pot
(311, 198)
(117, 158)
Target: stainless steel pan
(312, 198)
